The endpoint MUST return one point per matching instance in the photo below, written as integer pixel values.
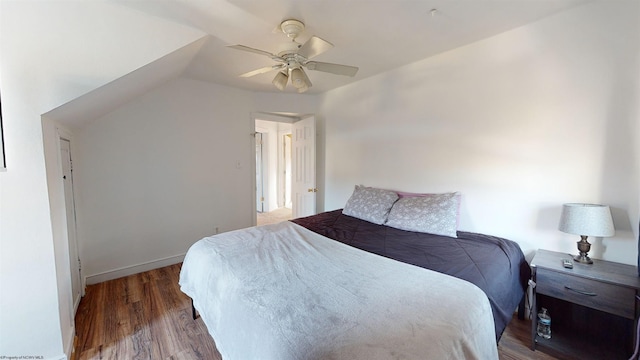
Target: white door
(303, 156)
(74, 259)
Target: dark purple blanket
(495, 265)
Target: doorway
(294, 157)
(273, 171)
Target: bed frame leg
(521, 307)
(193, 311)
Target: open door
(303, 156)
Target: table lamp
(586, 220)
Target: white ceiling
(374, 35)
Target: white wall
(160, 173)
(519, 123)
(52, 52)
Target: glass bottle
(544, 324)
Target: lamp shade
(303, 89)
(298, 79)
(586, 219)
(280, 81)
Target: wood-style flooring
(142, 316)
(146, 316)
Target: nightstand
(593, 308)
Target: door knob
(312, 190)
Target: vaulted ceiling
(374, 35)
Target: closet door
(74, 259)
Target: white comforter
(283, 292)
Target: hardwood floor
(146, 316)
(514, 344)
(142, 316)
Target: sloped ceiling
(114, 94)
(375, 36)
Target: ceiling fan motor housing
(292, 28)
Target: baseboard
(133, 269)
(69, 347)
(74, 354)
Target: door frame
(262, 168)
(284, 167)
(63, 134)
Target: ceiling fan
(292, 61)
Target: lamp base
(585, 259)
(583, 246)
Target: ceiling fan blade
(314, 47)
(261, 71)
(332, 68)
(255, 51)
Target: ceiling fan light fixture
(297, 78)
(293, 59)
(280, 81)
(303, 89)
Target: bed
(345, 285)
(495, 265)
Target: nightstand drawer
(614, 299)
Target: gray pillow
(370, 204)
(433, 213)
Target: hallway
(275, 216)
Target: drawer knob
(582, 292)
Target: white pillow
(370, 204)
(434, 213)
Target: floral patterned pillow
(370, 204)
(434, 213)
